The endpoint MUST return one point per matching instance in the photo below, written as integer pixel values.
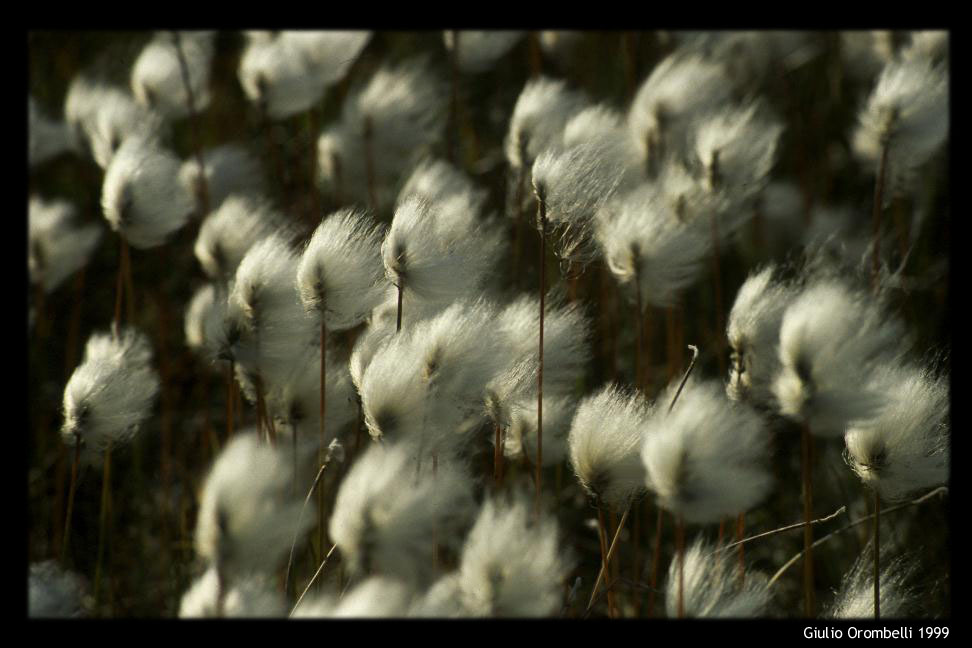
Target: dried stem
(602, 536)
(655, 560)
(70, 503)
(498, 455)
(313, 578)
(300, 517)
(401, 290)
(103, 523)
(808, 586)
(688, 372)
(605, 565)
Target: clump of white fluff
(56, 246)
(250, 596)
(248, 515)
(398, 116)
(539, 117)
(521, 437)
(110, 394)
(386, 512)
(228, 169)
(512, 565)
(142, 197)
(754, 332)
(203, 315)
(479, 50)
(227, 234)
(157, 77)
(605, 440)
(905, 448)
(646, 246)
(831, 337)
(712, 588)
(908, 111)
(855, 600)
(376, 597)
(340, 276)
(288, 72)
(706, 458)
(46, 137)
(53, 592)
(435, 180)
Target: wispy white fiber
(157, 79)
(340, 276)
(110, 394)
(521, 437)
(229, 169)
(605, 444)
(251, 596)
(57, 246)
(231, 230)
(377, 597)
(539, 117)
(899, 599)
(707, 458)
(142, 197)
(712, 588)
(906, 448)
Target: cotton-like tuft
(908, 111)
(705, 459)
(436, 180)
(605, 443)
(229, 169)
(539, 117)
(251, 596)
(899, 599)
(930, 45)
(479, 50)
(203, 315)
(385, 513)
(248, 515)
(521, 438)
(906, 448)
(831, 337)
(57, 246)
(110, 394)
(46, 137)
(374, 598)
(288, 72)
(712, 588)
(340, 276)
(754, 334)
(157, 78)
(647, 247)
(399, 114)
(53, 593)
(142, 197)
(512, 565)
(227, 234)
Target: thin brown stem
(314, 212)
(229, 400)
(740, 528)
(129, 284)
(103, 523)
(606, 563)
(398, 317)
(680, 547)
(313, 579)
(119, 288)
(300, 516)
(688, 372)
(498, 455)
(808, 586)
(602, 537)
(70, 503)
(655, 561)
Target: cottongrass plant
(905, 448)
(57, 246)
(53, 592)
(228, 233)
(377, 597)
(711, 587)
(899, 599)
(226, 170)
(46, 137)
(250, 596)
(386, 511)
(247, 514)
(157, 78)
(397, 113)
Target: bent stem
(605, 565)
(808, 586)
(300, 516)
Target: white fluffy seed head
(680, 88)
(398, 115)
(831, 337)
(228, 169)
(754, 333)
(908, 111)
(899, 599)
(53, 592)
(230, 231)
(157, 78)
(142, 197)
(376, 597)
(46, 137)
(248, 515)
(203, 316)
(512, 565)
(479, 50)
(521, 437)
(605, 442)
(930, 45)
(250, 596)
(736, 149)
(706, 459)
(906, 447)
(423, 382)
(539, 117)
(647, 247)
(110, 394)
(340, 276)
(56, 246)
(385, 512)
(436, 180)
(712, 588)
(288, 72)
